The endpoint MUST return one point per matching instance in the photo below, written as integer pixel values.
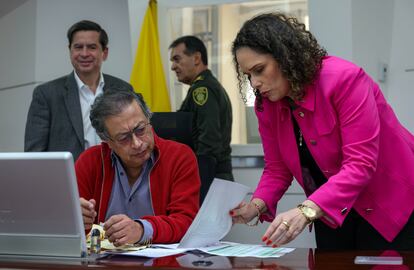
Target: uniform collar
(202, 75)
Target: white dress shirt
(87, 97)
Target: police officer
(208, 101)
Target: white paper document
(154, 252)
(224, 249)
(213, 221)
(246, 250)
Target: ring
(284, 222)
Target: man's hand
(121, 230)
(88, 212)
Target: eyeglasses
(126, 138)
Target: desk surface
(298, 259)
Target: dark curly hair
(293, 47)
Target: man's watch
(308, 212)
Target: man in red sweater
(142, 187)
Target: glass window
(217, 25)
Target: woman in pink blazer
(324, 122)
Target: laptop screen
(39, 205)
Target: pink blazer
(357, 142)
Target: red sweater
(174, 186)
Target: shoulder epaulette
(199, 78)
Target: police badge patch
(200, 95)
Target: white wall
(331, 23)
(401, 65)
(369, 33)
(17, 46)
(14, 104)
(136, 12)
(359, 31)
(372, 22)
(17, 73)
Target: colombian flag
(147, 76)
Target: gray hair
(111, 103)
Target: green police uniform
(212, 120)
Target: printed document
(213, 220)
(246, 250)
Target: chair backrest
(176, 126)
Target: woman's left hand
(285, 227)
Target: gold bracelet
(259, 210)
(252, 224)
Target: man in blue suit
(58, 118)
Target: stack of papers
(220, 249)
(212, 224)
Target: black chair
(176, 126)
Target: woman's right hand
(244, 212)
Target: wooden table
(298, 259)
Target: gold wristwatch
(308, 212)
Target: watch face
(309, 212)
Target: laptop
(176, 126)
(40, 213)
